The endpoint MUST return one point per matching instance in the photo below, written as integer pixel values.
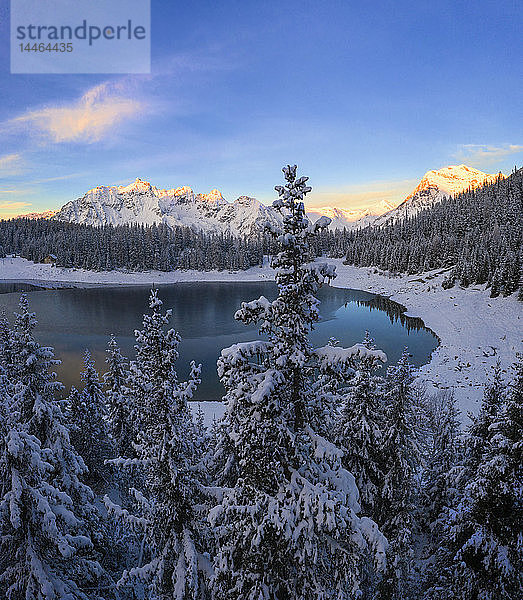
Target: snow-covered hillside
(142, 203)
(433, 187)
(351, 218)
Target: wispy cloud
(57, 178)
(9, 205)
(10, 165)
(478, 155)
(89, 119)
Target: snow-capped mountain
(351, 218)
(433, 187)
(47, 214)
(142, 203)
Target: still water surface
(72, 320)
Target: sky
(364, 96)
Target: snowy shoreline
(474, 330)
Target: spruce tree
(119, 412)
(443, 456)
(287, 524)
(89, 428)
(170, 501)
(47, 515)
(360, 431)
(483, 557)
(398, 492)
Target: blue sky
(364, 96)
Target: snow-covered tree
(440, 489)
(402, 454)
(359, 431)
(119, 412)
(482, 556)
(287, 526)
(86, 410)
(173, 565)
(47, 515)
(444, 452)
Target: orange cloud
(90, 119)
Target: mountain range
(142, 203)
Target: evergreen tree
(359, 432)
(89, 428)
(287, 527)
(397, 506)
(47, 516)
(169, 502)
(444, 453)
(483, 554)
(119, 412)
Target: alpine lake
(74, 319)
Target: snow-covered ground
(475, 330)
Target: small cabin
(50, 259)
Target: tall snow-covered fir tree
(288, 525)
(482, 555)
(443, 456)
(47, 515)
(169, 505)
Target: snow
(142, 203)
(434, 187)
(335, 355)
(212, 410)
(474, 330)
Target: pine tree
(89, 428)
(168, 504)
(440, 490)
(47, 516)
(444, 454)
(484, 531)
(397, 508)
(359, 431)
(119, 412)
(287, 527)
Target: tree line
(477, 235)
(134, 247)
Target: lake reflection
(71, 320)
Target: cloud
(11, 205)
(11, 164)
(478, 155)
(58, 178)
(88, 120)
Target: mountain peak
(453, 179)
(138, 185)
